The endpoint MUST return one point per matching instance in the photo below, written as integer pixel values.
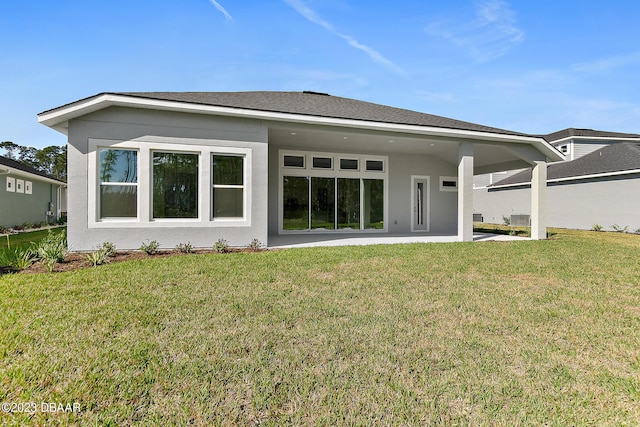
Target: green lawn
(491, 333)
(24, 240)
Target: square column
(465, 192)
(538, 201)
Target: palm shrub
(18, 259)
(150, 248)
(98, 257)
(221, 246)
(52, 249)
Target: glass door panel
(348, 203)
(323, 203)
(373, 198)
(295, 199)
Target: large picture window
(118, 183)
(175, 185)
(228, 186)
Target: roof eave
(18, 172)
(58, 119)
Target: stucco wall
(141, 126)
(443, 204)
(17, 208)
(573, 204)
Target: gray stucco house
(178, 167)
(598, 184)
(28, 195)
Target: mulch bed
(76, 261)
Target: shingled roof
(5, 161)
(622, 156)
(588, 133)
(307, 103)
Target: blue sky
(518, 65)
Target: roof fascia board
(575, 178)
(13, 171)
(596, 138)
(56, 117)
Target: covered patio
(315, 240)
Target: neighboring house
(573, 143)
(198, 167)
(28, 195)
(601, 187)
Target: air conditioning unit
(520, 220)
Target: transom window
(118, 177)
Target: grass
(492, 333)
(24, 240)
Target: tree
(51, 160)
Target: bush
(52, 249)
(150, 248)
(619, 229)
(18, 259)
(221, 246)
(98, 257)
(109, 248)
(596, 227)
(255, 245)
(506, 220)
(185, 248)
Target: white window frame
(125, 184)
(336, 172)
(28, 187)
(11, 184)
(145, 146)
(243, 186)
(20, 186)
(449, 178)
(173, 220)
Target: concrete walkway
(311, 240)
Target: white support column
(538, 201)
(465, 192)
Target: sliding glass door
(319, 203)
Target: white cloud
(607, 64)
(491, 34)
(312, 16)
(221, 9)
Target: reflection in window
(373, 197)
(348, 203)
(118, 183)
(228, 186)
(175, 185)
(349, 164)
(323, 203)
(295, 199)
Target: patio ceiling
(488, 157)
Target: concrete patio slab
(314, 240)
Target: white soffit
(58, 119)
